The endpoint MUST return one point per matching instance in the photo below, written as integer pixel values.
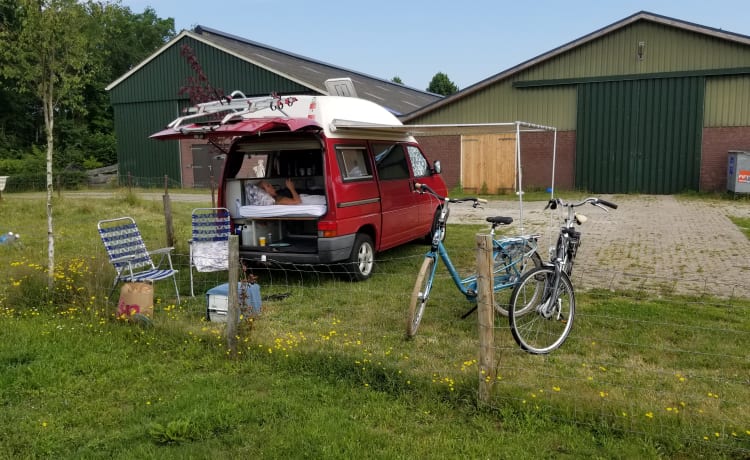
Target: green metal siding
(148, 99)
(551, 106)
(639, 136)
(162, 78)
(145, 160)
(727, 101)
(666, 49)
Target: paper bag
(135, 299)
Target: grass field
(325, 371)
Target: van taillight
(327, 229)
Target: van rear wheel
(362, 258)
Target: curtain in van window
(418, 162)
(391, 161)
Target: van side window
(418, 162)
(353, 163)
(390, 160)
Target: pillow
(256, 196)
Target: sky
(414, 39)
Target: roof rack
(237, 104)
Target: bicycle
(511, 257)
(541, 323)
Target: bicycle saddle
(500, 220)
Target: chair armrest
(123, 258)
(162, 250)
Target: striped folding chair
(209, 245)
(127, 253)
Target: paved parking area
(656, 243)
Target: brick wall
(447, 149)
(717, 142)
(536, 158)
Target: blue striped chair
(209, 243)
(127, 253)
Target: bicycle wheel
(541, 323)
(506, 270)
(419, 296)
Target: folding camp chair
(209, 245)
(127, 253)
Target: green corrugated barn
(649, 104)
(147, 98)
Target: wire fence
(649, 355)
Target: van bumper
(330, 250)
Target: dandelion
(650, 414)
(556, 388)
(603, 394)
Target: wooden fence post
(485, 317)
(233, 310)
(168, 212)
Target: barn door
(488, 163)
(639, 136)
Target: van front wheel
(362, 259)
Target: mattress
(311, 206)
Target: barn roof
(305, 71)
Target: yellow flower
(650, 414)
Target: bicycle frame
(505, 275)
(510, 257)
(564, 253)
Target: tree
(84, 133)
(397, 79)
(441, 84)
(47, 57)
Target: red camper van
(347, 159)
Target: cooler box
(217, 301)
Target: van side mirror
(436, 167)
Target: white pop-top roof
(243, 115)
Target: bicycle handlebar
(424, 188)
(608, 204)
(553, 203)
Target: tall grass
(325, 371)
